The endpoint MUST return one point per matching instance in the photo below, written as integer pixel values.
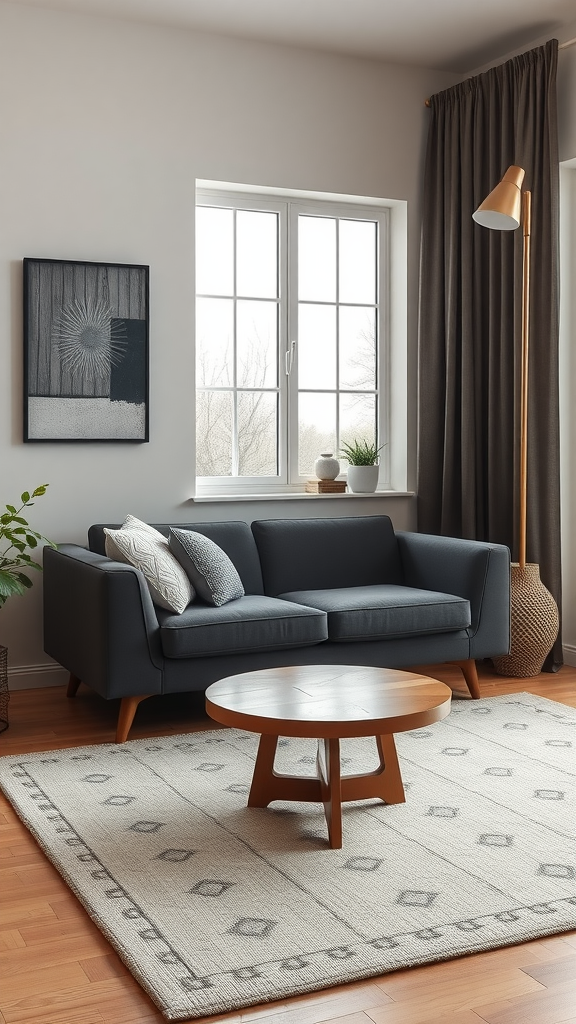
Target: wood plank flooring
(57, 968)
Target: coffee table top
(328, 701)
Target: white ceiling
(452, 35)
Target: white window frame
(288, 208)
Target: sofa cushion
(252, 623)
(207, 566)
(322, 554)
(139, 545)
(381, 612)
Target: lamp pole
(505, 209)
(526, 226)
(533, 612)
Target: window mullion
(283, 416)
(383, 350)
(337, 336)
(377, 364)
(293, 335)
(235, 448)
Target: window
(291, 339)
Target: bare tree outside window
(256, 417)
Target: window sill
(300, 496)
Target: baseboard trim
(569, 652)
(33, 677)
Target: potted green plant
(363, 468)
(16, 537)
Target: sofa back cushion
(234, 538)
(322, 554)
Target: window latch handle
(290, 358)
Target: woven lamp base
(534, 624)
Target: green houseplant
(16, 537)
(361, 453)
(362, 458)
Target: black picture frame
(86, 351)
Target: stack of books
(325, 486)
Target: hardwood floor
(57, 968)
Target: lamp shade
(502, 209)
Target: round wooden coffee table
(328, 703)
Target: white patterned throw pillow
(213, 575)
(138, 544)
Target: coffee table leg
(391, 786)
(268, 785)
(329, 787)
(328, 764)
(262, 788)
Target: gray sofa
(328, 591)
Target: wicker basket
(534, 624)
(4, 691)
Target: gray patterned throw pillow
(211, 572)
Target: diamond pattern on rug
(146, 826)
(210, 887)
(489, 839)
(175, 856)
(415, 898)
(363, 863)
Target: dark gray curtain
(470, 317)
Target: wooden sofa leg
(126, 716)
(73, 684)
(470, 675)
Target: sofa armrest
(471, 569)
(100, 622)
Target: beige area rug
(215, 906)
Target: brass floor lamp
(534, 615)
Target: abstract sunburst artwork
(88, 339)
(85, 351)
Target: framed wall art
(85, 351)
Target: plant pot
(362, 479)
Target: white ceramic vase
(326, 467)
(362, 479)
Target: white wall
(105, 127)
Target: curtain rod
(561, 46)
